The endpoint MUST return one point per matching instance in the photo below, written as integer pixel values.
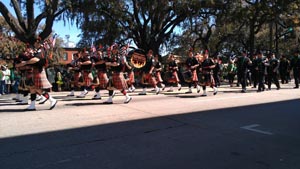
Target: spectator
(2, 80)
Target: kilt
(118, 81)
(103, 79)
(195, 77)
(190, 76)
(172, 77)
(158, 77)
(40, 79)
(26, 79)
(87, 78)
(207, 79)
(148, 79)
(76, 78)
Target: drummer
(191, 65)
(147, 74)
(85, 65)
(206, 70)
(173, 73)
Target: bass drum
(137, 58)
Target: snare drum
(187, 76)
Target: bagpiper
(99, 63)
(117, 80)
(38, 82)
(190, 75)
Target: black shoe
(297, 87)
(80, 96)
(29, 109)
(96, 98)
(22, 103)
(107, 102)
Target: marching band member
(207, 78)
(243, 62)
(85, 65)
(24, 70)
(39, 83)
(117, 80)
(157, 72)
(74, 68)
(192, 64)
(172, 70)
(147, 74)
(127, 68)
(272, 70)
(100, 66)
(259, 66)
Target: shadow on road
(209, 139)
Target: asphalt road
(167, 131)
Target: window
(65, 56)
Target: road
(170, 130)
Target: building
(68, 55)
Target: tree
(9, 46)
(25, 23)
(148, 23)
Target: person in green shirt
(231, 71)
(2, 80)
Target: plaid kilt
(172, 77)
(118, 81)
(195, 77)
(103, 79)
(76, 77)
(87, 80)
(206, 79)
(147, 79)
(26, 80)
(190, 76)
(158, 77)
(40, 79)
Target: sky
(58, 27)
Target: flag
(93, 48)
(54, 39)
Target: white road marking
(251, 128)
